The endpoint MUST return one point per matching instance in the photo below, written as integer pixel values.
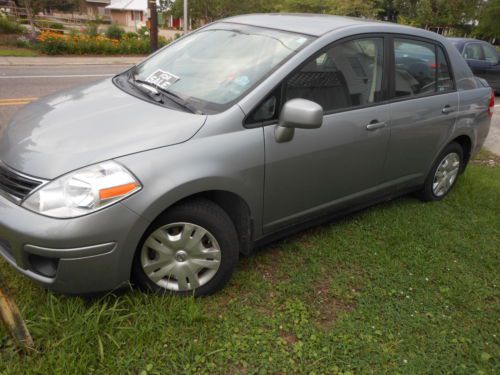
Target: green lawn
(404, 287)
(12, 51)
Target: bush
(23, 42)
(131, 35)
(57, 44)
(143, 32)
(53, 26)
(92, 30)
(10, 27)
(115, 32)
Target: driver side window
(346, 75)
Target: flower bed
(58, 44)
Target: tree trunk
(29, 13)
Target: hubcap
(180, 256)
(446, 174)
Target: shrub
(115, 31)
(10, 27)
(131, 35)
(143, 32)
(57, 44)
(23, 42)
(56, 26)
(92, 30)
(53, 26)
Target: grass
(12, 51)
(403, 287)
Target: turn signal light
(117, 191)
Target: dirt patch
(329, 307)
(487, 162)
(486, 158)
(289, 337)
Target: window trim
(385, 80)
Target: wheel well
(238, 211)
(466, 144)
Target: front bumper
(92, 253)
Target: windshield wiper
(158, 94)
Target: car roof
(310, 24)
(464, 40)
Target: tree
(489, 20)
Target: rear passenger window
(347, 75)
(418, 71)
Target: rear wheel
(444, 173)
(192, 249)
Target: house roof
(128, 5)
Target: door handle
(447, 109)
(374, 125)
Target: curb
(55, 61)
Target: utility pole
(185, 17)
(153, 30)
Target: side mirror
(300, 114)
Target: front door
(322, 169)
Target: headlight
(83, 191)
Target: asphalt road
(20, 85)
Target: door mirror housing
(300, 114)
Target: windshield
(215, 66)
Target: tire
(191, 249)
(446, 170)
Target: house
(132, 13)
(97, 8)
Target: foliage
(9, 27)
(401, 288)
(143, 32)
(51, 25)
(489, 20)
(115, 31)
(91, 30)
(56, 44)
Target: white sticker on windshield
(242, 80)
(162, 79)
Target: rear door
(423, 111)
(321, 169)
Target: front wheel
(443, 174)
(192, 249)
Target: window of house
(347, 75)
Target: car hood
(86, 125)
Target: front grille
(15, 185)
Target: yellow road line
(17, 99)
(13, 103)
